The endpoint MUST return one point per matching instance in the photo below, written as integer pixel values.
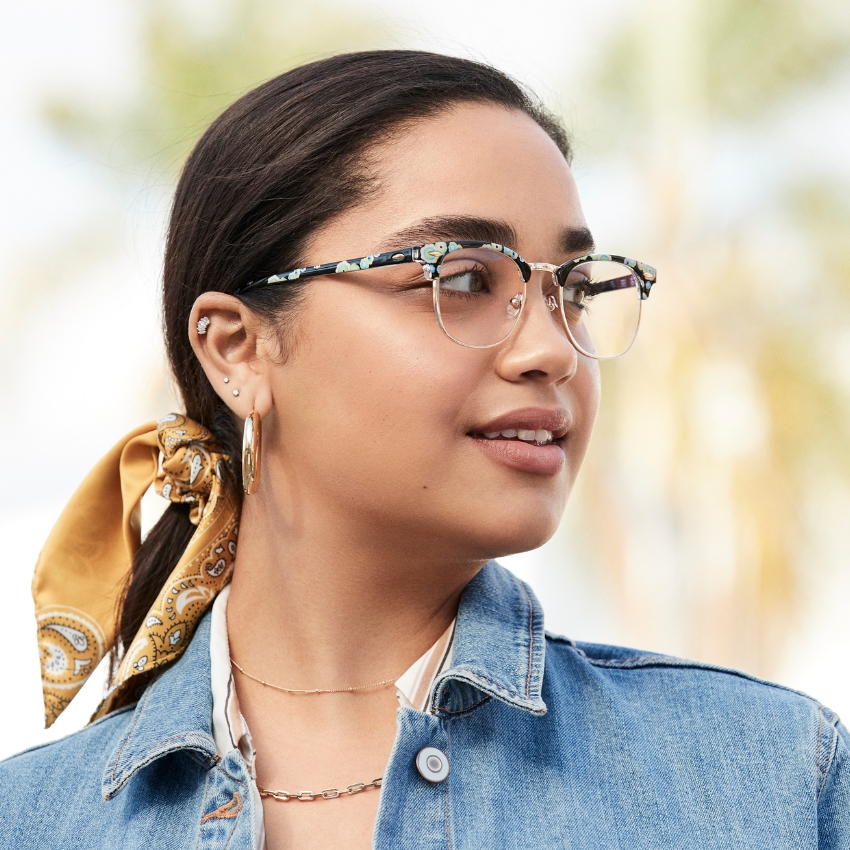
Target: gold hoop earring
(251, 453)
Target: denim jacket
(608, 748)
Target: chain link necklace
(327, 793)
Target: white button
(432, 764)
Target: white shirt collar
(413, 688)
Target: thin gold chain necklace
(312, 690)
(327, 793)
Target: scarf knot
(192, 461)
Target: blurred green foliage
(741, 57)
(196, 60)
(767, 292)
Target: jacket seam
(530, 641)
(448, 756)
(819, 782)
(466, 710)
(193, 752)
(506, 691)
(672, 663)
(140, 710)
(231, 776)
(203, 806)
(831, 747)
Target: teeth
(540, 437)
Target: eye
(576, 295)
(577, 291)
(469, 281)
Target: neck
(334, 601)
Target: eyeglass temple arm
(388, 258)
(613, 285)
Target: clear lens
(479, 296)
(601, 306)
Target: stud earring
(236, 392)
(203, 324)
(227, 380)
(251, 453)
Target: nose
(539, 348)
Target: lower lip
(526, 457)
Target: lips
(528, 439)
(556, 420)
(540, 438)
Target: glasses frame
(430, 256)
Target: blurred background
(712, 140)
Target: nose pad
(552, 303)
(514, 306)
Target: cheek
(379, 390)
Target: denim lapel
(498, 652)
(174, 713)
(499, 647)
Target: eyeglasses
(480, 290)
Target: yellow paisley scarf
(81, 570)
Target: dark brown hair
(280, 162)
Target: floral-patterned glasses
(479, 291)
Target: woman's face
(377, 413)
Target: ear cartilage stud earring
(203, 324)
(227, 380)
(236, 392)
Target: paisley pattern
(70, 644)
(174, 616)
(189, 467)
(191, 473)
(75, 629)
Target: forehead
(472, 160)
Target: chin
(519, 532)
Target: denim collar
(174, 713)
(498, 652)
(499, 647)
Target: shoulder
(43, 781)
(712, 704)
(635, 669)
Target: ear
(234, 348)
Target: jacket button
(432, 764)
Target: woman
(344, 276)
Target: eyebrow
(573, 240)
(577, 240)
(460, 227)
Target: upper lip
(558, 420)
